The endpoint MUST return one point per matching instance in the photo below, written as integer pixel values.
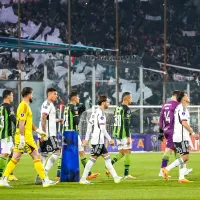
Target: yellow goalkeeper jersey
(24, 113)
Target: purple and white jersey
(166, 121)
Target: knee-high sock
(127, 163)
(3, 162)
(44, 157)
(87, 168)
(39, 168)
(84, 161)
(182, 168)
(117, 158)
(110, 167)
(165, 160)
(176, 163)
(51, 161)
(10, 167)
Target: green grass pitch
(145, 166)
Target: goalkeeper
(24, 140)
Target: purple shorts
(169, 139)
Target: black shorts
(98, 150)
(182, 147)
(50, 145)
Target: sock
(9, 158)
(127, 164)
(116, 158)
(10, 167)
(59, 166)
(3, 162)
(182, 168)
(44, 157)
(39, 168)
(176, 163)
(51, 161)
(84, 162)
(110, 167)
(165, 160)
(87, 168)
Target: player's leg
(182, 149)
(9, 168)
(95, 153)
(109, 165)
(31, 148)
(121, 152)
(84, 159)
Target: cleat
(165, 173)
(58, 179)
(129, 177)
(4, 183)
(118, 179)
(162, 175)
(187, 171)
(12, 178)
(48, 183)
(93, 175)
(38, 180)
(107, 173)
(85, 182)
(184, 181)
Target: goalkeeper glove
(42, 134)
(161, 135)
(21, 143)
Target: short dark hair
(73, 94)
(6, 93)
(26, 91)
(50, 90)
(125, 94)
(102, 98)
(175, 92)
(181, 95)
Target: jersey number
(167, 117)
(117, 120)
(2, 122)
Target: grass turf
(145, 166)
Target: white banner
(3, 2)
(189, 33)
(153, 18)
(7, 15)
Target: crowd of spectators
(93, 23)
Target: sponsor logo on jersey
(75, 108)
(183, 113)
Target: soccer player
(7, 129)
(24, 140)
(122, 133)
(97, 129)
(182, 131)
(72, 114)
(166, 127)
(48, 125)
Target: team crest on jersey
(102, 117)
(45, 107)
(22, 114)
(129, 112)
(11, 109)
(75, 108)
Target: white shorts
(7, 145)
(80, 147)
(122, 144)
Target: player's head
(27, 92)
(127, 98)
(8, 96)
(183, 98)
(175, 94)
(52, 94)
(74, 97)
(103, 101)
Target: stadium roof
(33, 46)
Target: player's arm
(44, 121)
(11, 114)
(161, 119)
(88, 132)
(127, 125)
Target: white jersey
(97, 127)
(48, 109)
(180, 133)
